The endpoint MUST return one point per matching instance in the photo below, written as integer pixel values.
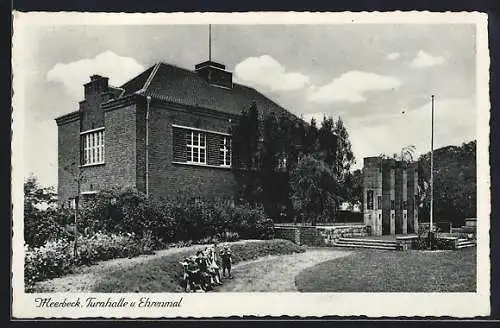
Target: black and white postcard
(250, 164)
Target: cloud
(393, 56)
(267, 72)
(390, 132)
(73, 75)
(350, 87)
(424, 59)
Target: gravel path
(84, 277)
(275, 273)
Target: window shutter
(82, 149)
(179, 144)
(213, 146)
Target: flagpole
(210, 42)
(432, 165)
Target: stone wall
(288, 233)
(319, 235)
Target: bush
(162, 223)
(230, 236)
(102, 247)
(51, 260)
(56, 258)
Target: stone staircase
(463, 243)
(389, 245)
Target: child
(217, 260)
(203, 266)
(213, 266)
(226, 257)
(192, 277)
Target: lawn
(391, 271)
(163, 274)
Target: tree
(354, 187)
(454, 183)
(246, 156)
(407, 154)
(314, 191)
(42, 220)
(344, 156)
(311, 138)
(266, 148)
(328, 142)
(37, 197)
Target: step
(392, 248)
(460, 242)
(465, 246)
(379, 241)
(466, 242)
(366, 243)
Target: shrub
(56, 258)
(230, 236)
(102, 247)
(51, 260)
(168, 221)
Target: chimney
(97, 85)
(215, 74)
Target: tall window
(379, 202)
(196, 147)
(93, 147)
(225, 152)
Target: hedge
(172, 220)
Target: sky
(378, 78)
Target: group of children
(203, 270)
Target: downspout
(148, 101)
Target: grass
(390, 271)
(164, 274)
(276, 273)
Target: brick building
(166, 132)
(390, 191)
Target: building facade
(390, 196)
(166, 132)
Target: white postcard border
(262, 304)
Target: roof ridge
(150, 78)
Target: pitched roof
(178, 85)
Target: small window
(196, 147)
(225, 152)
(393, 205)
(405, 205)
(379, 202)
